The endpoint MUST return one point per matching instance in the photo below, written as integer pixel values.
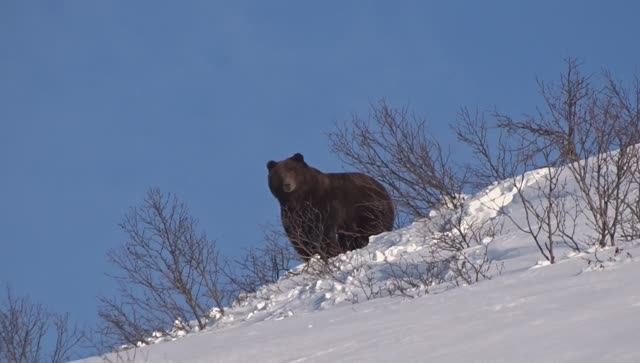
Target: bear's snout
(288, 186)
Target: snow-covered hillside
(528, 311)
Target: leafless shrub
(454, 253)
(416, 274)
(67, 337)
(600, 260)
(24, 327)
(396, 149)
(416, 277)
(631, 220)
(169, 274)
(122, 326)
(600, 126)
(605, 186)
(313, 232)
(309, 231)
(492, 152)
(463, 240)
(628, 100)
(584, 136)
(262, 265)
(547, 217)
(364, 277)
(550, 209)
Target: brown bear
(328, 213)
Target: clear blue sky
(100, 100)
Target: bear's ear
(271, 164)
(298, 157)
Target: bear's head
(288, 177)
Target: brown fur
(328, 213)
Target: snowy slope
(530, 312)
(556, 314)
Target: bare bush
(463, 240)
(309, 231)
(495, 157)
(24, 328)
(68, 336)
(631, 220)
(416, 277)
(584, 136)
(169, 274)
(396, 149)
(454, 253)
(627, 100)
(550, 209)
(364, 277)
(262, 265)
(314, 232)
(594, 132)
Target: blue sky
(100, 100)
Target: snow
(530, 310)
